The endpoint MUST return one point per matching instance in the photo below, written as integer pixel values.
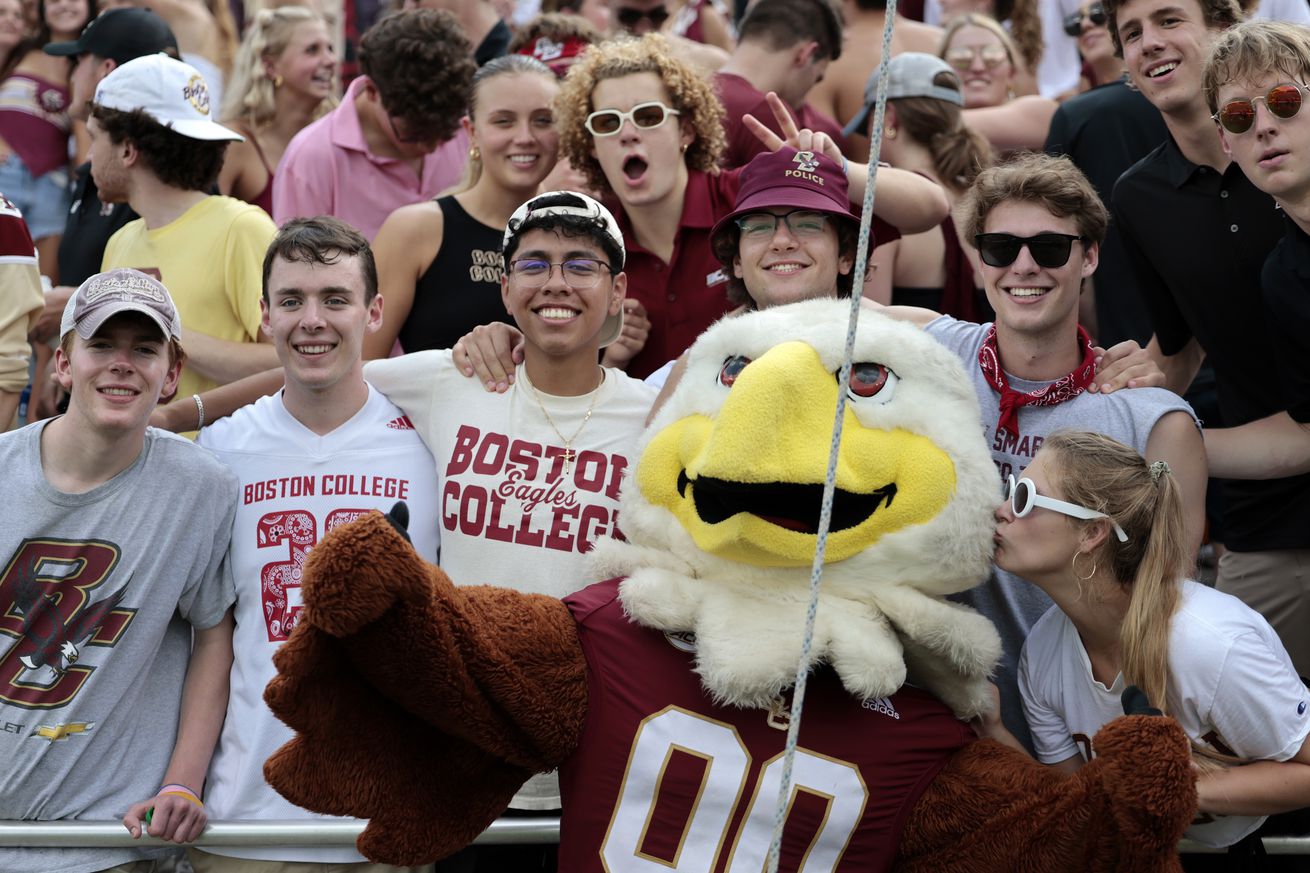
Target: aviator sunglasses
(607, 122)
(1282, 101)
(1049, 250)
(1073, 22)
(1024, 498)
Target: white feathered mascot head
(722, 510)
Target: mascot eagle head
(722, 510)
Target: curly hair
(689, 92)
(1052, 182)
(1218, 14)
(422, 66)
(555, 26)
(179, 161)
(250, 94)
(1025, 29)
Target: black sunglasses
(1049, 250)
(629, 17)
(1073, 22)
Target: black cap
(121, 35)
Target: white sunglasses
(1023, 497)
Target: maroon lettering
(589, 474)
(525, 535)
(275, 489)
(618, 464)
(495, 530)
(525, 455)
(561, 533)
(591, 526)
(449, 504)
(462, 453)
(472, 510)
(490, 456)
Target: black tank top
(461, 288)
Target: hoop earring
(1074, 565)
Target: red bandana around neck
(1062, 389)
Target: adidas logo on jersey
(881, 704)
(402, 423)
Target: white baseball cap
(169, 91)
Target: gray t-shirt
(1012, 603)
(98, 597)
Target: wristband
(187, 794)
(200, 414)
(179, 788)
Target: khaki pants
(1276, 585)
(208, 862)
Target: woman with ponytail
(1101, 532)
(925, 133)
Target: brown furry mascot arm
(417, 704)
(993, 808)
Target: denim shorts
(43, 200)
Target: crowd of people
(465, 278)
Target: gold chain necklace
(569, 453)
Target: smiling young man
(112, 558)
(1255, 84)
(1197, 232)
(320, 453)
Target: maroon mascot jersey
(663, 778)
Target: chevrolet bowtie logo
(57, 732)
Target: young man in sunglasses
(1255, 84)
(1038, 225)
(395, 138)
(1198, 231)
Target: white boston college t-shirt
(512, 512)
(1232, 687)
(295, 486)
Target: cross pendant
(568, 456)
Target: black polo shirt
(89, 226)
(1104, 132)
(1286, 283)
(1197, 240)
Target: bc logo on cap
(197, 94)
(806, 162)
(547, 50)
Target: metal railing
(343, 832)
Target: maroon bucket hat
(796, 179)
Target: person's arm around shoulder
(903, 199)
(405, 247)
(1022, 123)
(178, 813)
(1273, 447)
(491, 353)
(915, 315)
(1258, 788)
(1176, 440)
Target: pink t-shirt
(328, 170)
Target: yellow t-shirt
(211, 259)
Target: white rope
(830, 482)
